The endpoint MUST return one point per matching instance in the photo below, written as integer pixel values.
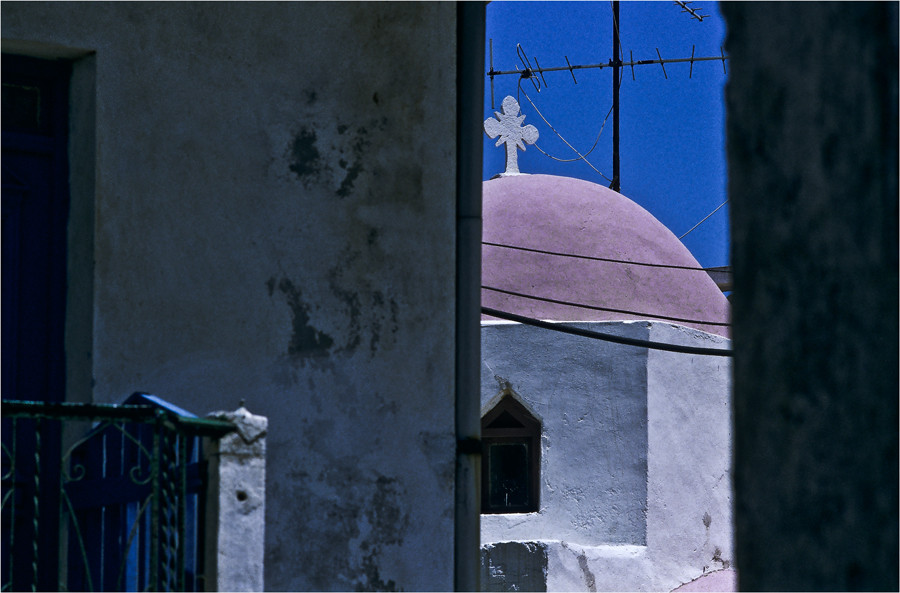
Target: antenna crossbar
(529, 72)
(694, 13)
(536, 75)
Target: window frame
(529, 433)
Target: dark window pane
(21, 108)
(509, 479)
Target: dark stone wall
(812, 149)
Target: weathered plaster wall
(653, 427)
(274, 221)
(591, 399)
(689, 519)
(812, 152)
(689, 523)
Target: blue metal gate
(103, 497)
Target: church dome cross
(507, 128)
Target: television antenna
(617, 62)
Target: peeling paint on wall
(388, 520)
(359, 517)
(304, 154)
(371, 315)
(373, 581)
(306, 341)
(348, 150)
(352, 173)
(717, 557)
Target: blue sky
(672, 130)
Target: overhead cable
(598, 308)
(586, 333)
(597, 140)
(593, 258)
(615, 21)
(575, 150)
(704, 219)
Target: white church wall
(273, 210)
(686, 405)
(572, 567)
(591, 399)
(689, 519)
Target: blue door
(35, 212)
(34, 216)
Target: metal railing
(99, 497)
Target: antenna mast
(616, 63)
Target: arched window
(511, 455)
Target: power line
(586, 333)
(704, 219)
(598, 308)
(581, 156)
(615, 20)
(592, 258)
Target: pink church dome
(571, 216)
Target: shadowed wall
(812, 149)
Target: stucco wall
(273, 211)
(591, 399)
(689, 519)
(626, 431)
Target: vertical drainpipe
(469, 100)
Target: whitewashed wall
(271, 191)
(591, 399)
(636, 455)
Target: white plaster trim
(649, 323)
(508, 389)
(601, 551)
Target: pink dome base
(566, 215)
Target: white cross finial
(508, 127)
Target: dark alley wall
(812, 149)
